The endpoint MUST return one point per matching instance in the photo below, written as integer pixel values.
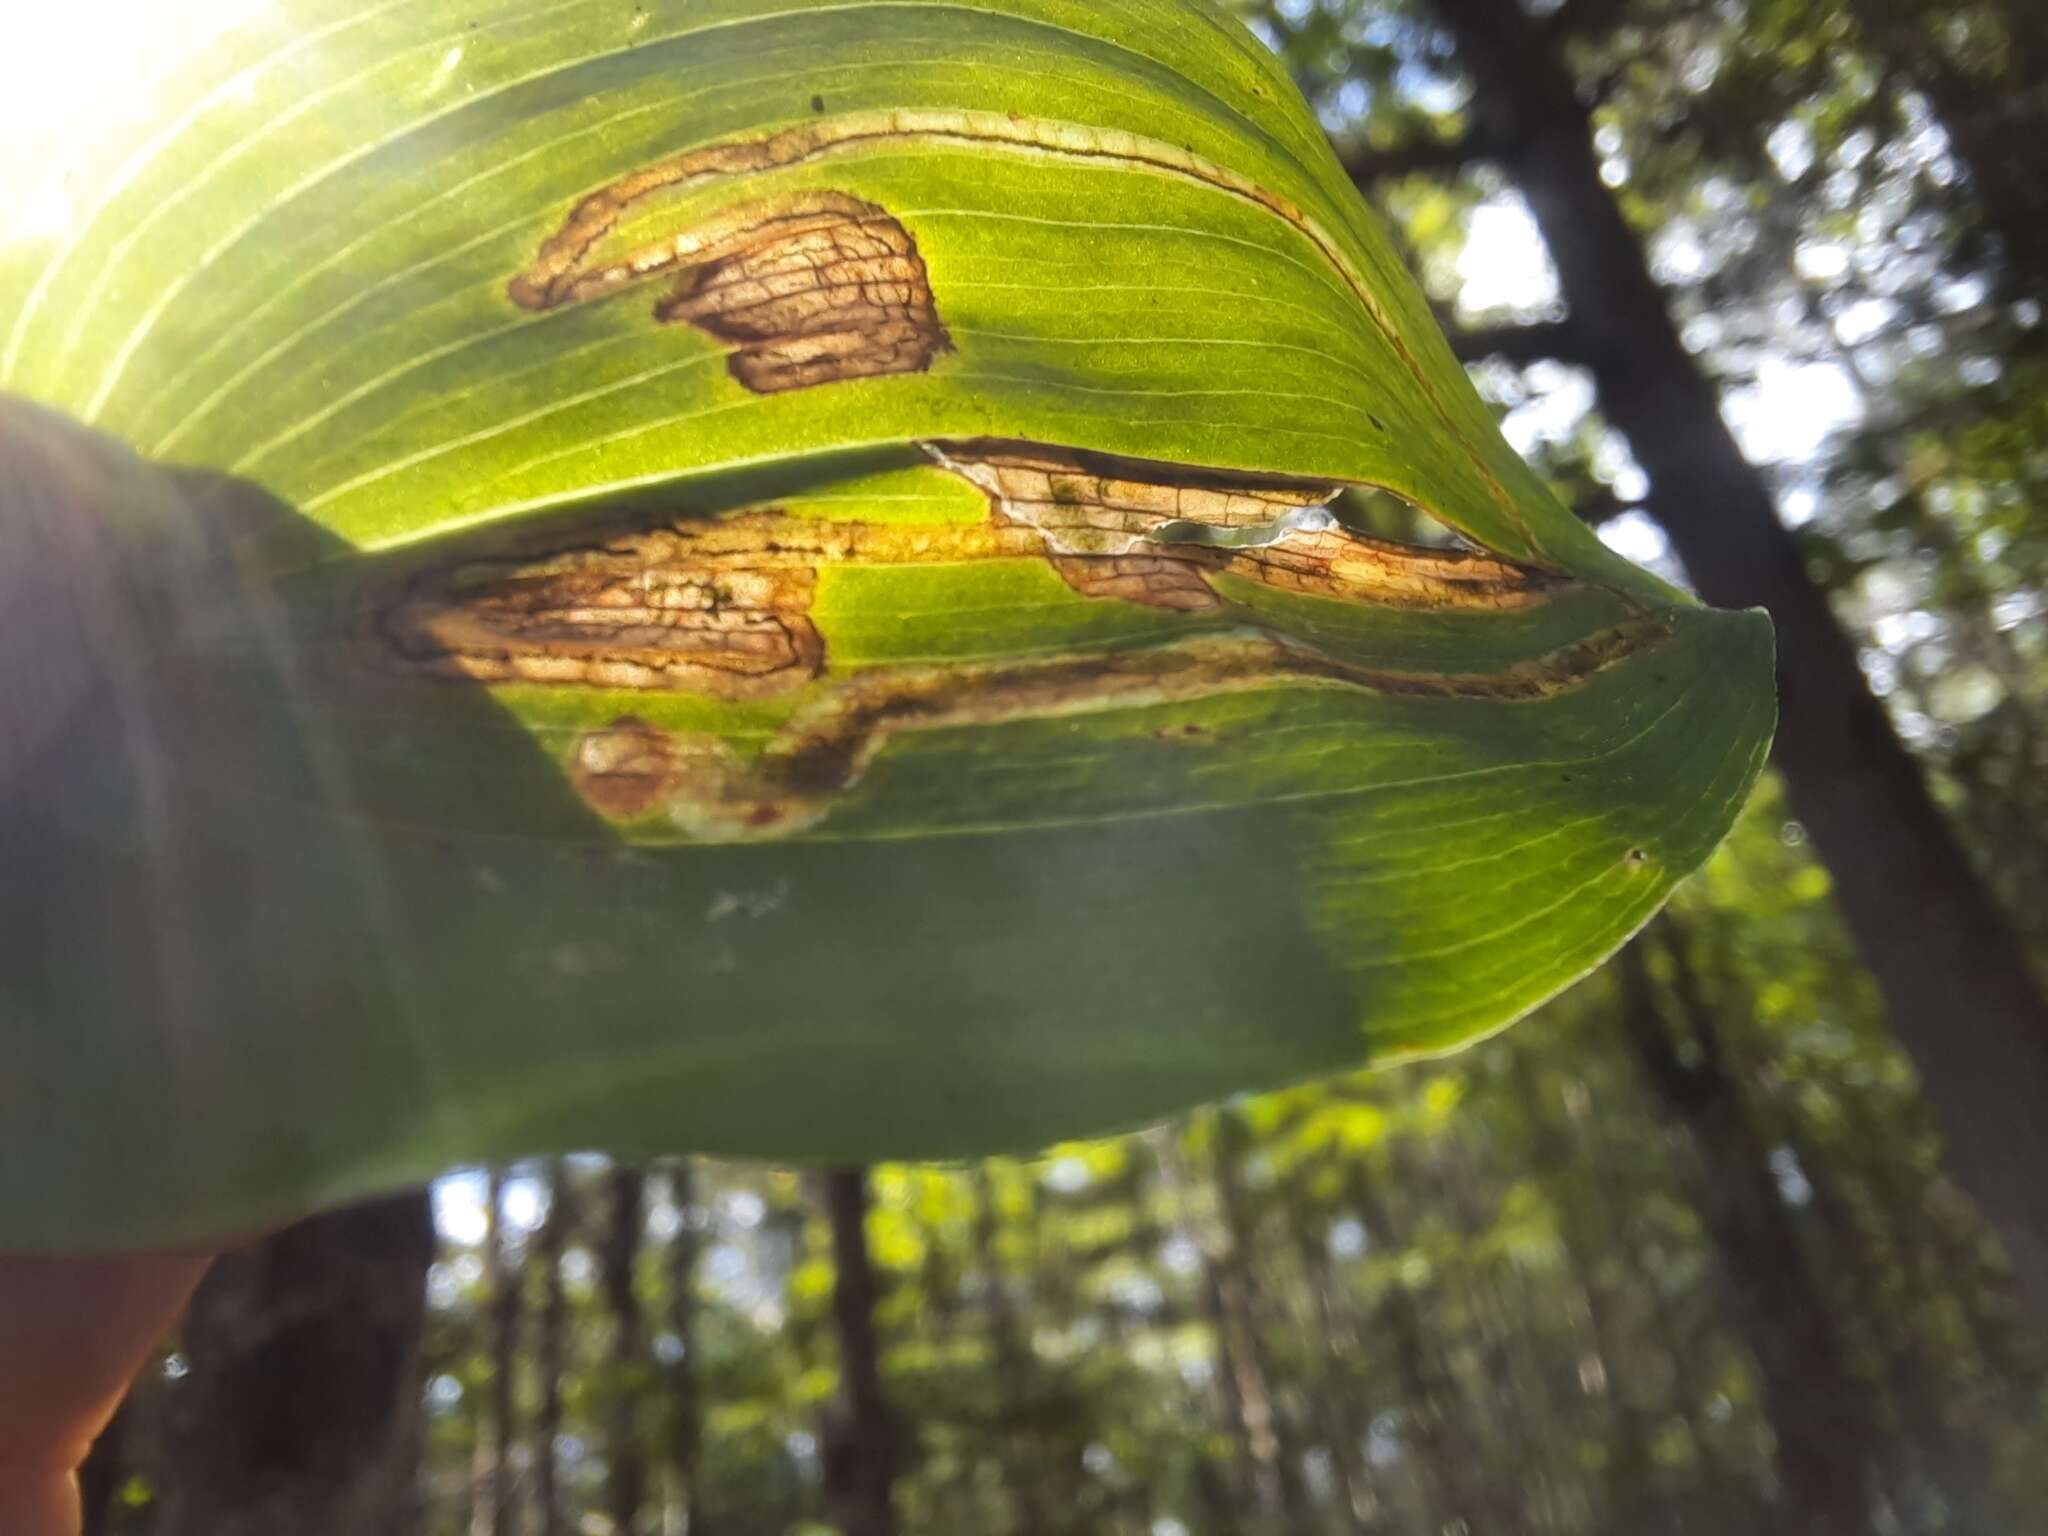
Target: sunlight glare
(70, 76)
(459, 1208)
(1792, 409)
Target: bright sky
(1784, 417)
(1504, 265)
(72, 71)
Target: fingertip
(73, 1331)
(39, 1503)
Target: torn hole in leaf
(1384, 515)
(1150, 532)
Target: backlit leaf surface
(781, 580)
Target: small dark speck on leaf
(1377, 424)
(817, 103)
(1635, 858)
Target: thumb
(73, 1332)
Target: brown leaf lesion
(721, 605)
(1156, 581)
(830, 289)
(644, 610)
(701, 785)
(1150, 533)
(804, 290)
(626, 769)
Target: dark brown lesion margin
(804, 290)
(652, 609)
(631, 769)
(1153, 533)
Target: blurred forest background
(1747, 1233)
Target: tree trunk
(1272, 1468)
(1729, 1500)
(1828, 1447)
(1589, 1229)
(1443, 1456)
(501, 1290)
(686, 1409)
(554, 1319)
(1872, 1267)
(1229, 1499)
(1955, 981)
(625, 1488)
(1469, 1327)
(1337, 1404)
(1014, 1374)
(860, 1434)
(300, 1409)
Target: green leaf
(762, 580)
